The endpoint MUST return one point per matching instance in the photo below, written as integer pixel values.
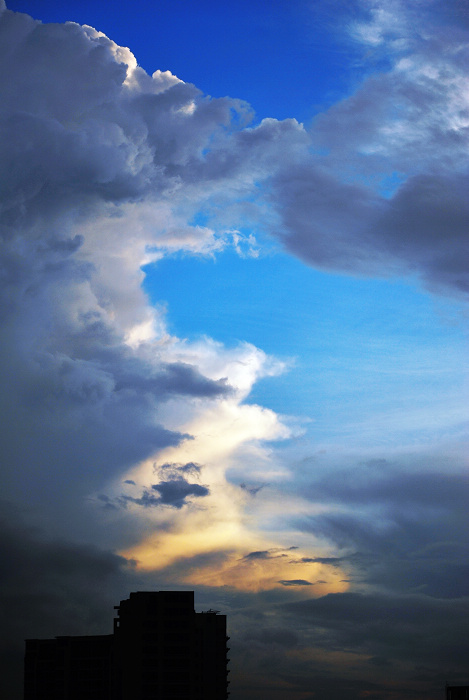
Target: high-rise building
(457, 692)
(160, 649)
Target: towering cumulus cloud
(102, 169)
(134, 458)
(95, 154)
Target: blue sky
(352, 347)
(234, 347)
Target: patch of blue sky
(362, 352)
(389, 184)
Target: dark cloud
(175, 492)
(390, 626)
(401, 531)
(274, 553)
(272, 637)
(346, 644)
(330, 561)
(176, 470)
(147, 500)
(426, 225)
(296, 582)
(173, 379)
(258, 555)
(422, 228)
(399, 138)
(253, 490)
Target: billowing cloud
(126, 136)
(90, 141)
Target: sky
(234, 280)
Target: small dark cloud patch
(107, 502)
(296, 582)
(190, 468)
(174, 492)
(174, 469)
(274, 553)
(146, 500)
(253, 490)
(331, 561)
(171, 493)
(129, 481)
(258, 555)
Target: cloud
(94, 153)
(253, 490)
(345, 643)
(399, 138)
(295, 582)
(258, 555)
(106, 167)
(422, 228)
(405, 619)
(175, 491)
(172, 379)
(322, 560)
(400, 531)
(175, 469)
(172, 493)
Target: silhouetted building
(68, 667)
(161, 649)
(457, 692)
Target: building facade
(160, 649)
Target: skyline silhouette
(160, 648)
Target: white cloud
(106, 167)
